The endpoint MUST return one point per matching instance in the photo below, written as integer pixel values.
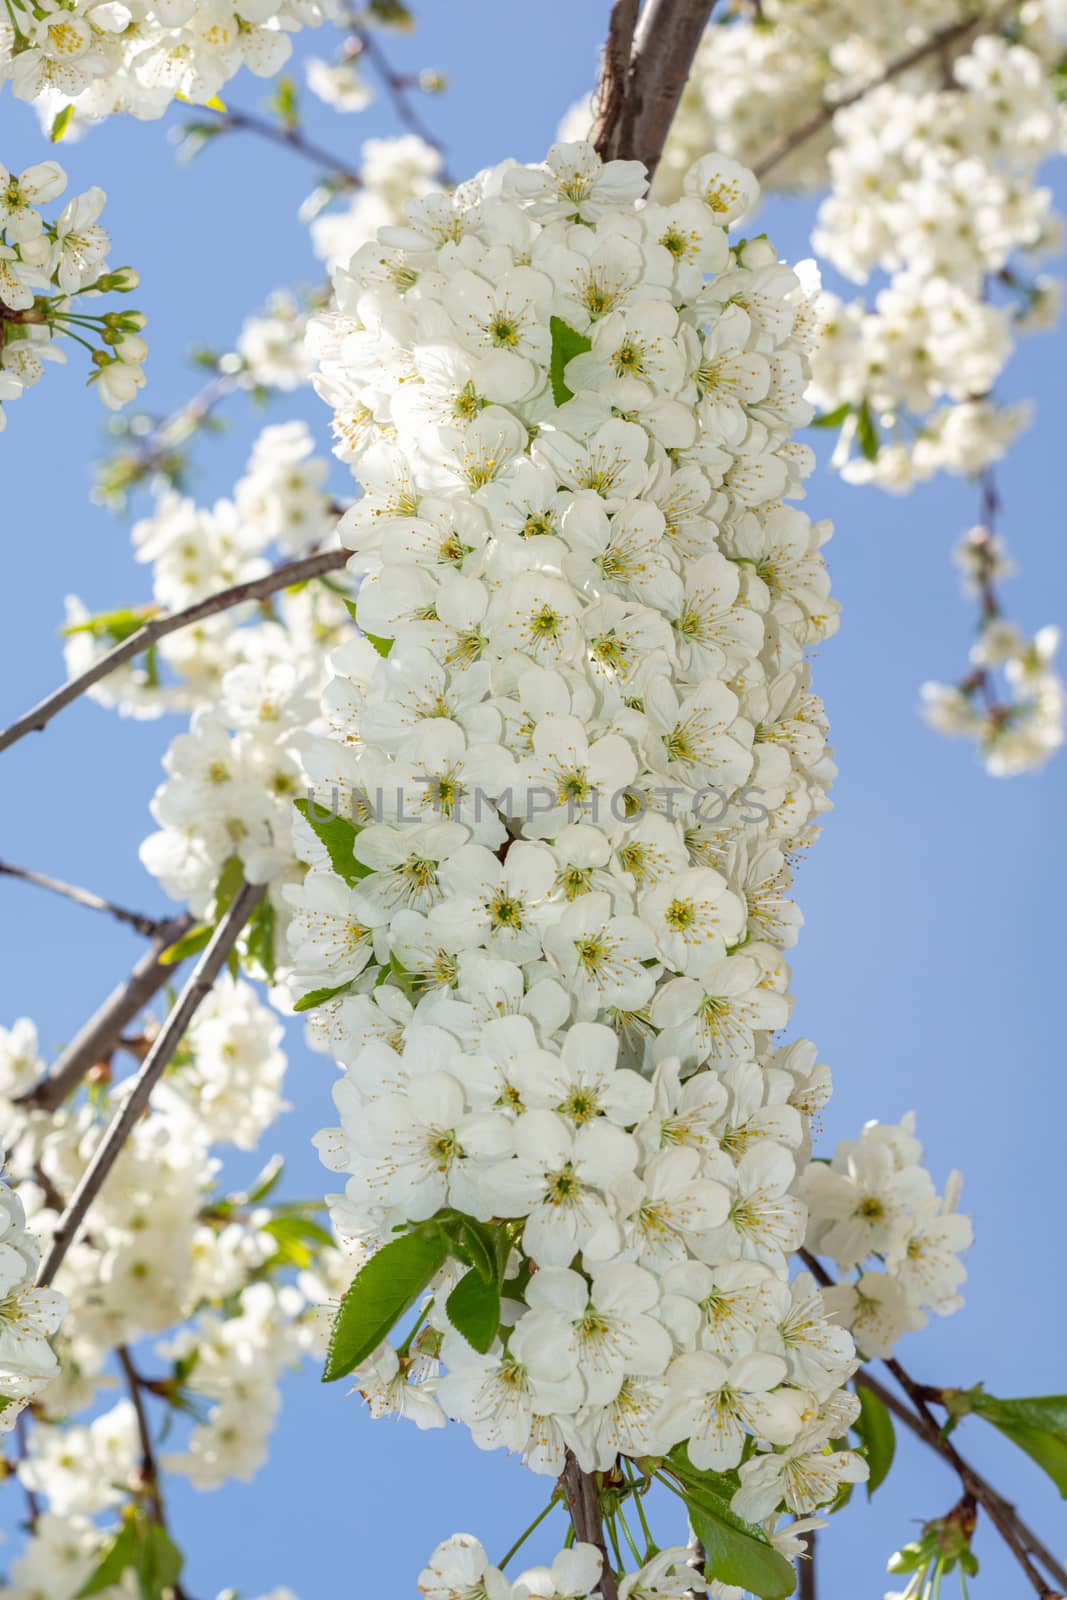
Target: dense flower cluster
(933, 192)
(546, 928)
(1011, 702)
(166, 1249)
(45, 269)
(29, 1317)
(874, 1210)
(101, 59)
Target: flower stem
(536, 1523)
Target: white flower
(713, 1405)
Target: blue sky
(931, 959)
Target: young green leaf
(874, 1426)
(866, 433)
(295, 1236)
(159, 1562)
(1037, 1424)
(387, 1286)
(231, 879)
(338, 835)
(567, 343)
(260, 943)
(319, 997)
(60, 124)
(474, 1309)
(737, 1552)
(119, 1555)
(190, 944)
(383, 646)
(832, 419)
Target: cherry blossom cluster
(46, 267)
(932, 169)
(165, 1245)
(1011, 701)
(874, 1211)
(573, 759)
(93, 61)
(29, 1317)
(280, 506)
(395, 172)
(460, 1567)
(63, 1553)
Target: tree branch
(935, 45)
(1021, 1540)
(397, 85)
(101, 1035)
(84, 897)
(290, 572)
(291, 139)
(806, 1589)
(196, 989)
(149, 1469)
(583, 1502)
(613, 89)
(634, 125)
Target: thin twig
(291, 139)
(664, 44)
(149, 1469)
(583, 1501)
(397, 86)
(196, 990)
(33, 1504)
(1020, 1538)
(84, 897)
(282, 577)
(936, 44)
(102, 1034)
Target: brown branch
(149, 1469)
(156, 628)
(935, 45)
(102, 1034)
(634, 126)
(610, 100)
(806, 1588)
(1019, 1537)
(292, 139)
(583, 1502)
(196, 990)
(397, 86)
(84, 897)
(33, 1504)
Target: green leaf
(267, 1182)
(874, 1426)
(383, 646)
(338, 835)
(1037, 1424)
(832, 419)
(231, 878)
(567, 343)
(378, 1296)
(113, 625)
(159, 1562)
(294, 1236)
(735, 1551)
(120, 1554)
(260, 941)
(474, 1242)
(866, 433)
(319, 997)
(474, 1309)
(190, 944)
(60, 124)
